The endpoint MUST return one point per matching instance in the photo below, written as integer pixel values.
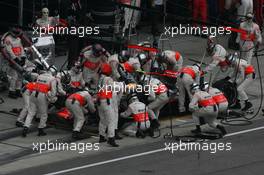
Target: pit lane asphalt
(245, 158)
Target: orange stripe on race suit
(103, 94)
(141, 117)
(220, 98)
(161, 89)
(31, 86)
(249, 70)
(247, 37)
(207, 102)
(177, 56)
(76, 83)
(189, 71)
(79, 98)
(17, 51)
(91, 65)
(64, 113)
(43, 88)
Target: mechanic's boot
(248, 105)
(140, 134)
(111, 141)
(117, 136)
(18, 93)
(25, 131)
(37, 119)
(151, 132)
(12, 94)
(77, 135)
(182, 113)
(236, 106)
(197, 130)
(222, 129)
(154, 124)
(19, 124)
(102, 139)
(41, 132)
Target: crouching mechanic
(43, 93)
(140, 114)
(172, 59)
(204, 110)
(221, 101)
(77, 103)
(106, 108)
(243, 76)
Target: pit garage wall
(31, 10)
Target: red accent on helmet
(106, 69)
(177, 56)
(128, 67)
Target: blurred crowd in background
(116, 19)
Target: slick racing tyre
(229, 90)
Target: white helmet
(231, 58)
(210, 39)
(195, 87)
(142, 58)
(210, 44)
(249, 15)
(197, 65)
(53, 70)
(145, 44)
(205, 86)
